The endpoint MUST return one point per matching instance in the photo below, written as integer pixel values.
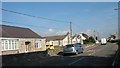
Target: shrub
(89, 40)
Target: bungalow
(82, 37)
(79, 38)
(15, 40)
(59, 40)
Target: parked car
(50, 47)
(79, 44)
(73, 48)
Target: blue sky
(60, 0)
(85, 16)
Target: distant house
(116, 36)
(15, 40)
(59, 40)
(75, 39)
(81, 37)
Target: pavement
(116, 62)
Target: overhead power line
(33, 16)
(36, 16)
(26, 24)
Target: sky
(86, 17)
(60, 0)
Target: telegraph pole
(118, 20)
(71, 32)
(94, 33)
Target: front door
(27, 43)
(26, 50)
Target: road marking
(115, 59)
(76, 61)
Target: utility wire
(33, 16)
(36, 16)
(25, 24)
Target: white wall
(74, 40)
(65, 41)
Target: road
(101, 55)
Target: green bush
(89, 40)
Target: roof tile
(17, 32)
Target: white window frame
(11, 43)
(38, 44)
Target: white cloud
(99, 34)
(89, 32)
(61, 32)
(50, 30)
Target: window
(69, 46)
(9, 44)
(37, 44)
(77, 45)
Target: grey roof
(17, 32)
(58, 37)
(85, 35)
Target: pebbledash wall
(21, 46)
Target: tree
(89, 40)
(86, 41)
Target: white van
(103, 41)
